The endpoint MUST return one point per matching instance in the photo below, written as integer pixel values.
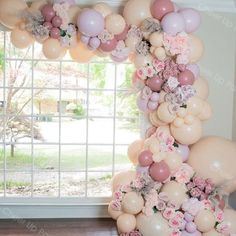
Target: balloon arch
(174, 191)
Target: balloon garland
(174, 191)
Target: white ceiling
(204, 5)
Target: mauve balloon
(186, 78)
(109, 46)
(145, 158)
(161, 7)
(155, 83)
(159, 171)
(48, 12)
(185, 233)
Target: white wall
(218, 32)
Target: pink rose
(184, 174)
(199, 182)
(195, 192)
(219, 216)
(222, 228)
(179, 216)
(135, 233)
(208, 189)
(118, 195)
(174, 223)
(207, 204)
(161, 205)
(116, 205)
(168, 213)
(203, 196)
(175, 233)
(190, 185)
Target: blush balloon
(161, 7)
(145, 158)
(109, 46)
(186, 78)
(159, 171)
(155, 83)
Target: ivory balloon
(73, 14)
(205, 221)
(10, 12)
(21, 38)
(206, 112)
(187, 134)
(123, 178)
(215, 158)
(194, 106)
(37, 5)
(114, 214)
(131, 43)
(81, 53)
(134, 149)
(176, 192)
(202, 88)
(136, 11)
(174, 161)
(132, 203)
(152, 225)
(103, 8)
(154, 119)
(213, 233)
(196, 49)
(126, 223)
(156, 39)
(52, 49)
(164, 114)
(115, 23)
(230, 220)
(141, 61)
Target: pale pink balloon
(159, 171)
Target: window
(65, 127)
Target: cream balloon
(187, 134)
(152, 225)
(162, 96)
(194, 106)
(230, 220)
(132, 203)
(141, 61)
(115, 23)
(205, 221)
(73, 14)
(114, 214)
(126, 223)
(176, 192)
(202, 88)
(160, 53)
(131, 43)
(37, 5)
(10, 12)
(154, 119)
(123, 178)
(164, 114)
(206, 112)
(21, 38)
(103, 8)
(174, 161)
(214, 158)
(178, 122)
(52, 49)
(134, 149)
(136, 11)
(156, 39)
(196, 49)
(213, 233)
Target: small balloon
(132, 203)
(55, 33)
(115, 23)
(202, 88)
(103, 8)
(160, 8)
(184, 151)
(145, 158)
(205, 221)
(56, 21)
(52, 49)
(186, 78)
(109, 45)
(155, 83)
(48, 12)
(134, 149)
(21, 38)
(230, 219)
(94, 43)
(159, 171)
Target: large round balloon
(21, 38)
(90, 22)
(132, 203)
(73, 14)
(202, 88)
(205, 221)
(196, 49)
(215, 158)
(230, 220)
(136, 11)
(81, 53)
(123, 178)
(152, 225)
(126, 223)
(115, 23)
(10, 12)
(52, 49)
(187, 134)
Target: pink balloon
(145, 158)
(186, 78)
(194, 68)
(155, 83)
(184, 151)
(123, 35)
(142, 170)
(142, 104)
(192, 19)
(94, 43)
(152, 105)
(48, 12)
(90, 22)
(55, 33)
(56, 21)
(109, 46)
(173, 23)
(161, 7)
(48, 25)
(159, 171)
(196, 233)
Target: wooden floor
(68, 227)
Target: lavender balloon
(173, 23)
(117, 59)
(142, 170)
(91, 23)
(94, 43)
(191, 227)
(184, 151)
(85, 39)
(196, 233)
(192, 19)
(194, 68)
